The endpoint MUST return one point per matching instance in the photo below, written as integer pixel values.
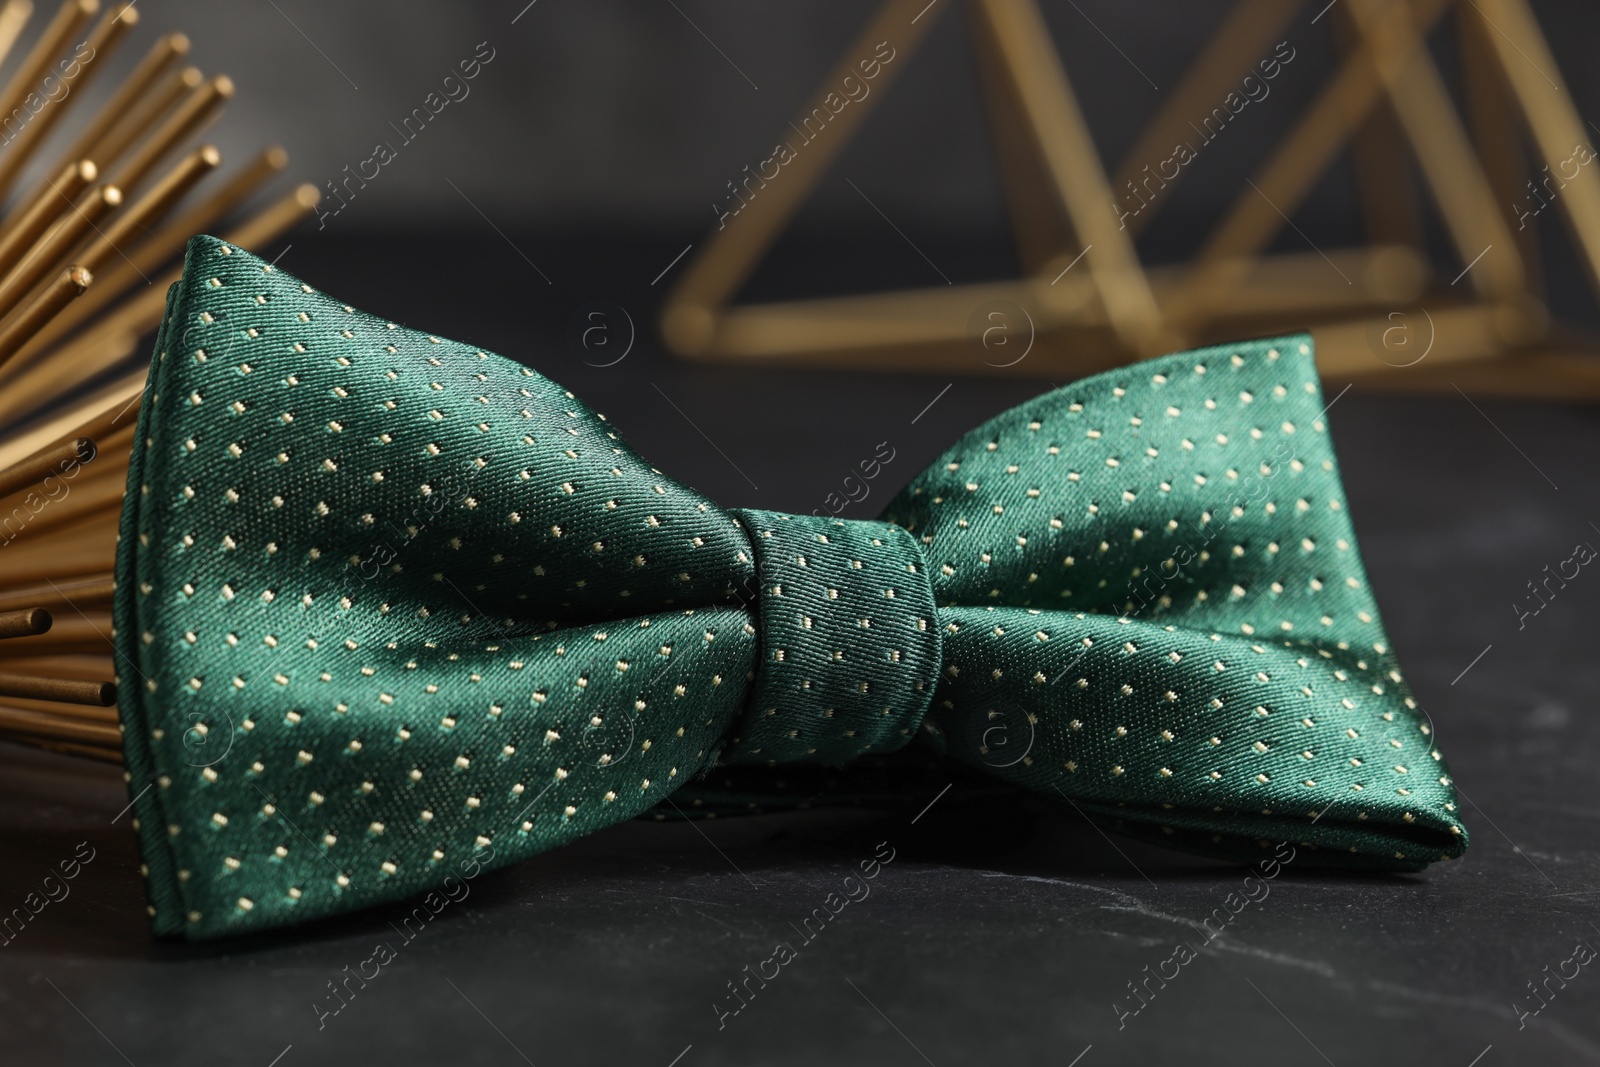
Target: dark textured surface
(975, 945)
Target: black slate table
(975, 946)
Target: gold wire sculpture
(1380, 314)
(86, 255)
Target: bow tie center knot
(849, 640)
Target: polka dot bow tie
(392, 610)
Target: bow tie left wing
(345, 552)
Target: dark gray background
(630, 116)
(596, 140)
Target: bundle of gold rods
(91, 223)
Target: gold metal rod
(28, 622)
(110, 441)
(115, 406)
(1244, 35)
(101, 44)
(97, 591)
(1422, 103)
(54, 246)
(13, 17)
(1055, 119)
(85, 668)
(84, 547)
(165, 243)
(1272, 287)
(43, 464)
(105, 715)
(1466, 348)
(114, 335)
(202, 217)
(1557, 128)
(191, 116)
(161, 58)
(98, 753)
(79, 642)
(82, 499)
(110, 462)
(20, 328)
(135, 124)
(1565, 374)
(148, 209)
(124, 230)
(57, 37)
(20, 232)
(45, 380)
(1496, 130)
(15, 720)
(715, 274)
(1302, 157)
(71, 553)
(88, 537)
(65, 690)
(275, 219)
(1390, 210)
(1462, 336)
(78, 632)
(104, 409)
(1305, 154)
(1040, 228)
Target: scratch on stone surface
(1222, 942)
(691, 900)
(1137, 940)
(1127, 898)
(1125, 902)
(662, 896)
(1428, 996)
(1315, 966)
(1478, 1004)
(738, 932)
(1140, 908)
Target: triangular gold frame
(1492, 333)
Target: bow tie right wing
(1154, 569)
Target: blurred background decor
(1385, 104)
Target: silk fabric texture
(392, 610)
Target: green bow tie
(393, 610)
